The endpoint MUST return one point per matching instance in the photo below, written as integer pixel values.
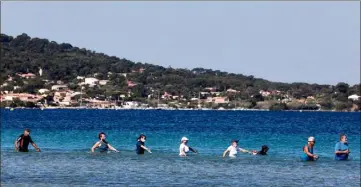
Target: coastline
(170, 109)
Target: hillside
(64, 62)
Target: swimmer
(184, 148)
(140, 147)
(102, 144)
(308, 150)
(22, 143)
(342, 150)
(233, 149)
(263, 151)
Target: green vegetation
(23, 54)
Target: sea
(65, 137)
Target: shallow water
(65, 137)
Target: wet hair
(234, 141)
(141, 136)
(27, 129)
(100, 135)
(342, 135)
(263, 150)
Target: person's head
(142, 138)
(234, 143)
(264, 149)
(343, 137)
(101, 136)
(311, 141)
(26, 132)
(184, 140)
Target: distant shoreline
(174, 109)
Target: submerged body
(184, 148)
(102, 145)
(233, 149)
(140, 145)
(23, 141)
(342, 150)
(308, 151)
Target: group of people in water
(342, 150)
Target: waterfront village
(57, 94)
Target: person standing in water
(184, 148)
(263, 151)
(140, 147)
(22, 143)
(233, 149)
(308, 150)
(102, 144)
(341, 149)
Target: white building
(103, 82)
(80, 77)
(354, 97)
(59, 87)
(91, 81)
(131, 104)
(43, 90)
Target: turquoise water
(66, 136)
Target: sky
(313, 42)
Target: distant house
(166, 95)
(91, 81)
(63, 98)
(232, 91)
(59, 82)
(217, 100)
(10, 78)
(59, 87)
(26, 75)
(265, 93)
(43, 90)
(310, 97)
(216, 93)
(131, 104)
(103, 82)
(99, 104)
(131, 84)
(123, 74)
(211, 89)
(23, 97)
(141, 70)
(80, 77)
(275, 92)
(354, 97)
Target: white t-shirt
(183, 147)
(232, 151)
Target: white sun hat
(184, 139)
(311, 139)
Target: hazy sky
(314, 42)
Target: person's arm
(95, 146)
(244, 150)
(338, 149)
(145, 148)
(182, 152)
(112, 148)
(193, 150)
(16, 144)
(34, 145)
(305, 149)
(225, 152)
